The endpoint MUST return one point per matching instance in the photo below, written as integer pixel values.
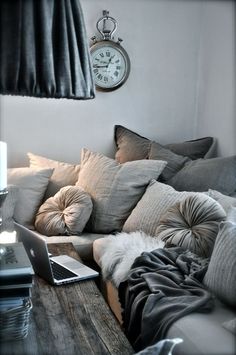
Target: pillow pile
(32, 184)
(186, 169)
(192, 224)
(64, 174)
(66, 213)
(115, 188)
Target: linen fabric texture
(192, 224)
(8, 207)
(32, 184)
(220, 277)
(115, 188)
(64, 174)
(66, 213)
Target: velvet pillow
(132, 146)
(220, 277)
(192, 224)
(66, 213)
(64, 174)
(8, 207)
(32, 184)
(157, 199)
(203, 174)
(115, 188)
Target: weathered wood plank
(69, 319)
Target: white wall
(216, 115)
(165, 98)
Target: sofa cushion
(64, 174)
(115, 188)
(155, 202)
(32, 184)
(220, 277)
(132, 146)
(203, 333)
(192, 224)
(203, 174)
(8, 207)
(65, 213)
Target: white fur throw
(121, 251)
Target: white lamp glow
(3, 166)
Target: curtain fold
(44, 50)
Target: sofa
(143, 190)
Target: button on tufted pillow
(192, 224)
(67, 212)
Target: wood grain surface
(69, 319)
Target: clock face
(110, 65)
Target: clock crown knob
(119, 40)
(94, 39)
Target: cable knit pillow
(220, 277)
(192, 224)
(66, 213)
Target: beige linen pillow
(32, 185)
(66, 213)
(115, 188)
(64, 174)
(156, 200)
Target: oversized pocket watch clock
(110, 61)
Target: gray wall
(181, 85)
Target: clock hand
(100, 66)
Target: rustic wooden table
(71, 319)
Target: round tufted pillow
(192, 224)
(66, 213)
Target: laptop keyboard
(60, 273)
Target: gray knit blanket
(162, 286)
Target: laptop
(56, 270)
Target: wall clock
(110, 61)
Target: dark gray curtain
(44, 49)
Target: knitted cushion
(192, 224)
(220, 277)
(65, 213)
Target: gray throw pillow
(192, 224)
(155, 202)
(64, 174)
(174, 161)
(115, 188)
(220, 277)
(32, 184)
(132, 146)
(225, 201)
(203, 174)
(8, 207)
(66, 213)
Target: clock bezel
(125, 56)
